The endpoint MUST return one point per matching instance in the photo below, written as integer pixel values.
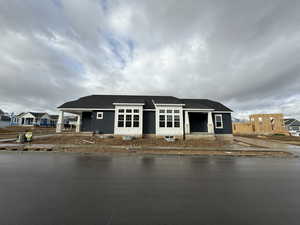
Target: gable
(27, 115)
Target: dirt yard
(12, 132)
(281, 139)
(117, 141)
(97, 149)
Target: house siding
(227, 124)
(149, 122)
(90, 122)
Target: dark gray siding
(149, 122)
(104, 126)
(227, 124)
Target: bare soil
(116, 141)
(97, 149)
(12, 132)
(281, 139)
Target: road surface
(69, 188)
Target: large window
(169, 118)
(218, 121)
(128, 118)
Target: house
(15, 119)
(149, 116)
(265, 124)
(4, 116)
(35, 119)
(70, 122)
(53, 120)
(4, 119)
(293, 126)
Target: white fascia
(84, 109)
(169, 105)
(222, 112)
(27, 115)
(197, 110)
(129, 104)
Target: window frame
(166, 118)
(129, 115)
(216, 121)
(99, 116)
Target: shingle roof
(54, 117)
(204, 104)
(106, 101)
(288, 121)
(37, 114)
(291, 122)
(296, 123)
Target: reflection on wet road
(60, 188)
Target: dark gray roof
(21, 114)
(296, 123)
(106, 101)
(4, 118)
(291, 122)
(204, 104)
(37, 114)
(54, 117)
(288, 121)
(1, 112)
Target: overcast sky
(245, 54)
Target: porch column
(60, 122)
(78, 124)
(187, 122)
(210, 123)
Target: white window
(218, 121)
(169, 118)
(128, 118)
(99, 115)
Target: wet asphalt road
(66, 188)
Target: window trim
(99, 116)
(128, 113)
(220, 116)
(166, 113)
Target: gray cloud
(243, 53)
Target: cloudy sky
(245, 54)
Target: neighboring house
(261, 124)
(35, 119)
(4, 119)
(15, 119)
(53, 120)
(70, 122)
(1, 113)
(149, 115)
(293, 126)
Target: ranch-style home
(34, 119)
(149, 116)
